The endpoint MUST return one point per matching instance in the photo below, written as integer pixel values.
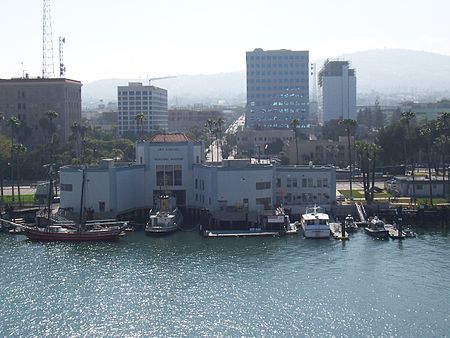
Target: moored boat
(60, 233)
(338, 231)
(165, 219)
(69, 231)
(394, 231)
(350, 224)
(376, 228)
(315, 223)
(409, 233)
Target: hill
(386, 71)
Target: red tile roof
(169, 138)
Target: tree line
(23, 159)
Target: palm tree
(443, 144)
(374, 150)
(362, 149)
(209, 125)
(139, 119)
(76, 129)
(51, 115)
(349, 125)
(443, 127)
(19, 150)
(218, 131)
(425, 131)
(13, 123)
(294, 125)
(405, 119)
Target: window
(291, 182)
(319, 183)
(263, 201)
(177, 175)
(304, 182)
(263, 185)
(160, 175)
(101, 206)
(278, 182)
(196, 183)
(66, 187)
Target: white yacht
(165, 219)
(315, 223)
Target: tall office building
(338, 84)
(148, 100)
(277, 88)
(29, 99)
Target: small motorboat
(409, 233)
(350, 224)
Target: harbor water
(186, 285)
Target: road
(24, 190)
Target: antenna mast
(48, 68)
(62, 68)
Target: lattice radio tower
(48, 67)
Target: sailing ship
(165, 219)
(69, 231)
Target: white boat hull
(316, 233)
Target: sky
(141, 38)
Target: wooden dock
(336, 232)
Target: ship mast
(80, 217)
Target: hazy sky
(136, 38)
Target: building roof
(27, 80)
(169, 138)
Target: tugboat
(376, 228)
(165, 219)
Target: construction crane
(150, 79)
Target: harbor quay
(231, 194)
(232, 190)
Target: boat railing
(314, 209)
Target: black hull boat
(376, 229)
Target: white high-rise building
(338, 86)
(148, 100)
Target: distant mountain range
(383, 70)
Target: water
(185, 285)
